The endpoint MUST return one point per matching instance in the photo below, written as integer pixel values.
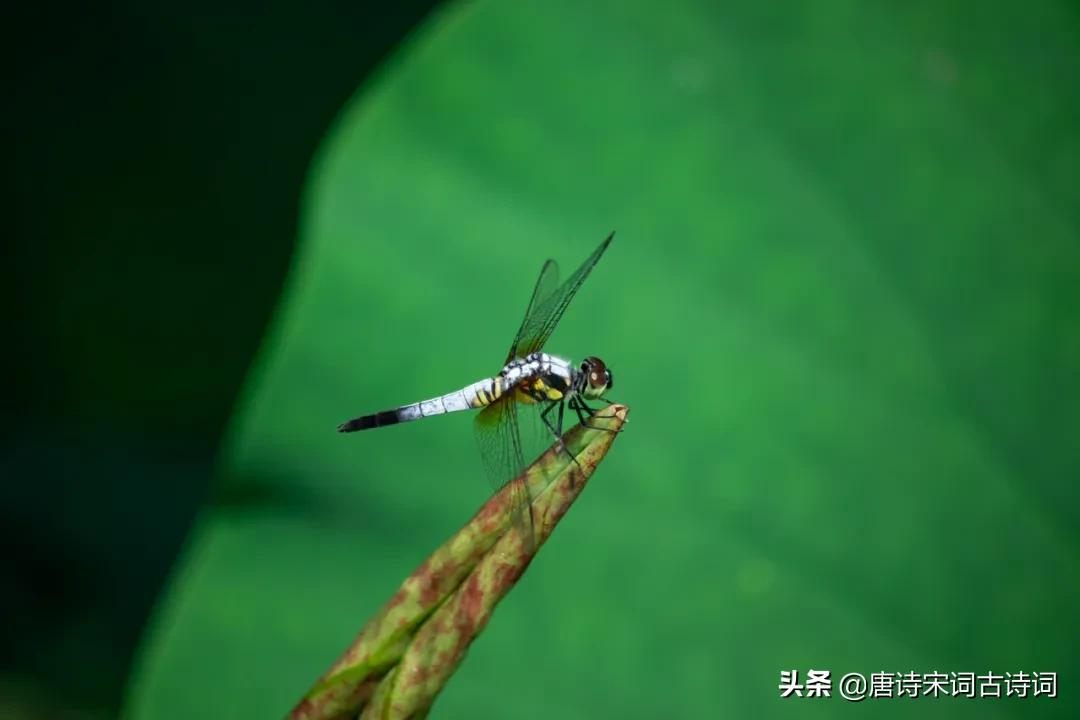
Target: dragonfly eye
(610, 380)
(596, 372)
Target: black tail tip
(386, 417)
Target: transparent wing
(545, 286)
(498, 432)
(499, 439)
(545, 309)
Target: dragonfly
(529, 377)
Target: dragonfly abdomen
(480, 394)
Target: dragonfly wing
(498, 432)
(498, 436)
(545, 312)
(545, 286)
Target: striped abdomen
(479, 394)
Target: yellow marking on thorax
(541, 387)
(527, 391)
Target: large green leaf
(842, 301)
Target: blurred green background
(842, 305)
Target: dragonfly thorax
(543, 377)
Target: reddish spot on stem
(418, 675)
(505, 575)
(491, 509)
(304, 709)
(399, 597)
(472, 597)
(491, 515)
(431, 585)
(442, 658)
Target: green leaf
(841, 300)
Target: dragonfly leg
(556, 429)
(544, 416)
(579, 406)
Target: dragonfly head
(597, 377)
